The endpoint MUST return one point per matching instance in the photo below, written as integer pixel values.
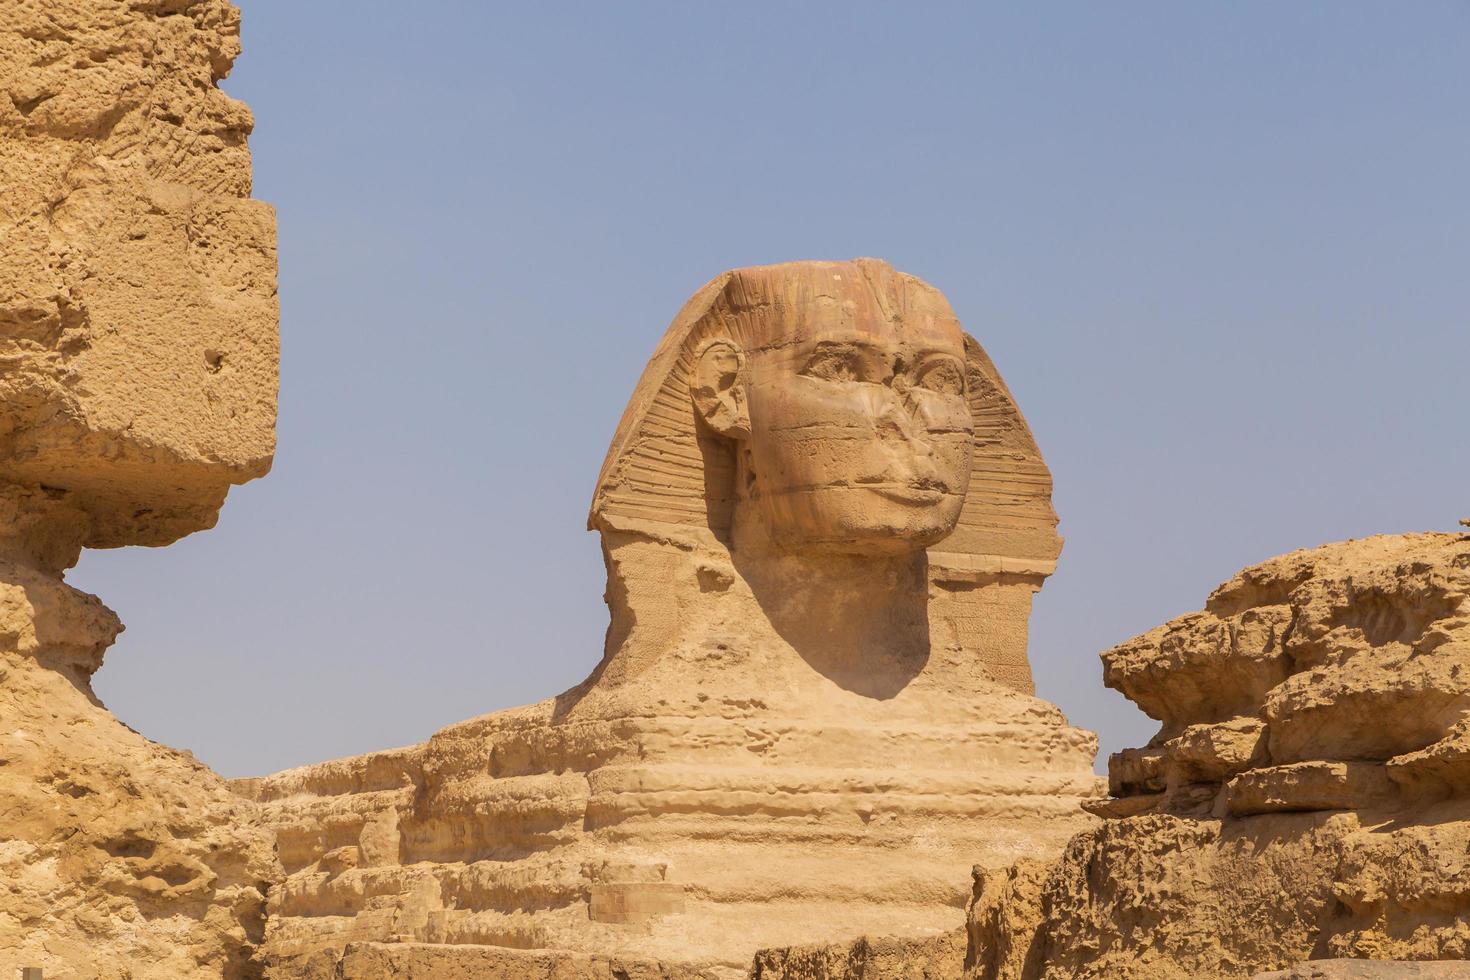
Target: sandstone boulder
(1306, 796)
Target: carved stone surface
(137, 383)
(823, 519)
(1307, 794)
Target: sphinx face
(859, 426)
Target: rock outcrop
(824, 520)
(1307, 796)
(138, 350)
(137, 384)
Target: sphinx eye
(943, 375)
(835, 364)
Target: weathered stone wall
(138, 348)
(121, 858)
(138, 364)
(1308, 794)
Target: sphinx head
(828, 406)
(841, 388)
(831, 409)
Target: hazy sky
(1220, 252)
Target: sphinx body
(824, 520)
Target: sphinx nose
(910, 450)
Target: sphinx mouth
(918, 493)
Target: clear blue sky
(1219, 251)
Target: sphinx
(824, 520)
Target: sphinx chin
(877, 518)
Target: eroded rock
(1370, 970)
(137, 384)
(138, 348)
(1372, 641)
(1318, 808)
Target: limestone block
(1312, 786)
(137, 384)
(1414, 699)
(138, 350)
(625, 902)
(1214, 753)
(1164, 898)
(1202, 668)
(122, 858)
(1437, 771)
(1134, 772)
(1370, 629)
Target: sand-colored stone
(439, 961)
(939, 957)
(1370, 970)
(823, 519)
(1307, 795)
(138, 351)
(120, 858)
(137, 383)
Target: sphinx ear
(718, 388)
